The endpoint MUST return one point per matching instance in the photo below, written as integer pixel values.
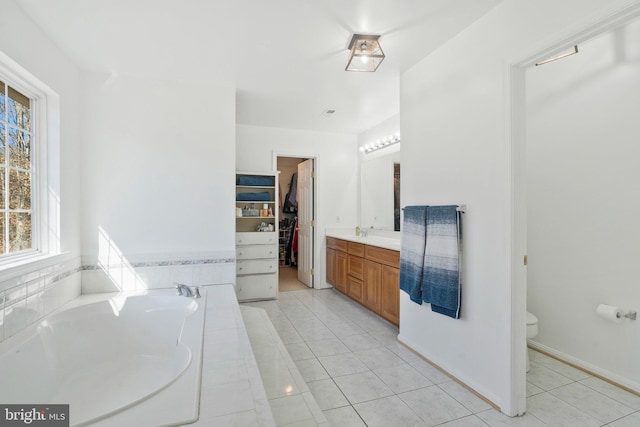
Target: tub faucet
(186, 291)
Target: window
(29, 168)
(16, 171)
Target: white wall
(158, 166)
(584, 202)
(456, 149)
(336, 173)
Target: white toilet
(532, 331)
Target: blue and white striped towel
(412, 251)
(441, 285)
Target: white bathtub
(123, 360)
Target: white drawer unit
(256, 251)
(261, 286)
(256, 266)
(256, 235)
(248, 238)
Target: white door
(304, 194)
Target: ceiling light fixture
(367, 51)
(573, 51)
(381, 143)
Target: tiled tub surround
(115, 273)
(232, 392)
(28, 297)
(231, 388)
(151, 342)
(289, 397)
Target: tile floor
(360, 375)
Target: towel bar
(460, 208)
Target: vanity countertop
(371, 239)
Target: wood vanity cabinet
(331, 265)
(341, 271)
(388, 291)
(372, 280)
(367, 274)
(355, 271)
(337, 263)
(390, 294)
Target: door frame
(317, 279)
(608, 20)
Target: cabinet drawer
(355, 267)
(257, 238)
(383, 256)
(256, 266)
(256, 287)
(356, 249)
(337, 244)
(256, 251)
(354, 288)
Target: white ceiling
(285, 57)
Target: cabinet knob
(240, 268)
(239, 253)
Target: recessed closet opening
(297, 222)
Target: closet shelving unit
(284, 261)
(256, 236)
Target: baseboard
(453, 377)
(603, 374)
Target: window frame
(45, 143)
(34, 142)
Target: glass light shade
(365, 53)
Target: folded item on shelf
(253, 197)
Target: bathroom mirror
(380, 191)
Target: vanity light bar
(381, 143)
(573, 51)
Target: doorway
(520, 224)
(296, 228)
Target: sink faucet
(363, 232)
(186, 291)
